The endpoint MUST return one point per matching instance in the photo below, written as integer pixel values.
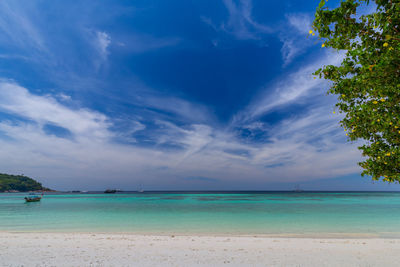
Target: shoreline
(333, 235)
(106, 249)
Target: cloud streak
(295, 36)
(204, 151)
(296, 86)
(240, 23)
(18, 29)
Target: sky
(170, 95)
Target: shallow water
(272, 213)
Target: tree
(19, 183)
(368, 80)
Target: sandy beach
(94, 249)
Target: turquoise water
(371, 214)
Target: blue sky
(170, 95)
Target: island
(19, 183)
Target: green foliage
(19, 183)
(368, 80)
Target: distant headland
(19, 183)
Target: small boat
(140, 190)
(33, 198)
(297, 189)
(110, 191)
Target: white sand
(67, 249)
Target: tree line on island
(19, 183)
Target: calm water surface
(371, 214)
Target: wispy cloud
(294, 36)
(240, 23)
(301, 22)
(292, 88)
(180, 108)
(204, 151)
(305, 146)
(18, 29)
(102, 41)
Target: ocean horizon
(271, 213)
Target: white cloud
(181, 108)
(17, 100)
(301, 22)
(241, 23)
(64, 97)
(103, 40)
(292, 88)
(289, 50)
(294, 36)
(93, 157)
(306, 147)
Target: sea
(290, 214)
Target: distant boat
(110, 191)
(140, 190)
(297, 189)
(33, 198)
